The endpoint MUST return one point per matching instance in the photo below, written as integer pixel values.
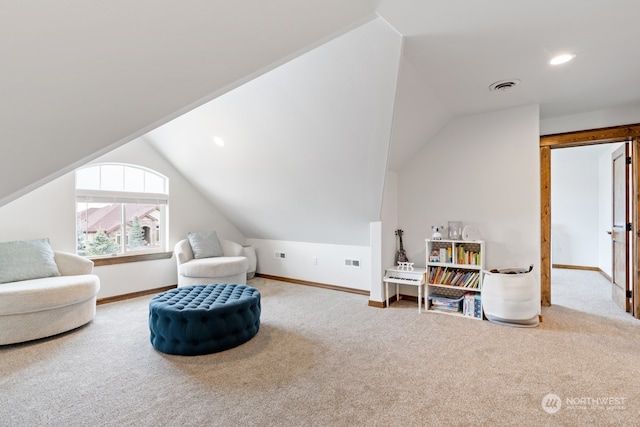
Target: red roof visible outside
(107, 218)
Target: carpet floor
(325, 358)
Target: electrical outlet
(280, 255)
(352, 263)
(314, 260)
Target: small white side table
(415, 277)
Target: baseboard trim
(117, 298)
(582, 267)
(315, 284)
(605, 275)
(123, 297)
(575, 267)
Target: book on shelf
(443, 255)
(445, 303)
(445, 298)
(472, 305)
(454, 277)
(473, 281)
(466, 256)
(467, 305)
(477, 308)
(445, 309)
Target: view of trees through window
(100, 228)
(119, 221)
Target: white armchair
(46, 306)
(232, 267)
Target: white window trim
(110, 196)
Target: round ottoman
(202, 319)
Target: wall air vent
(504, 85)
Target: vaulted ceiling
(81, 78)
(305, 145)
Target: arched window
(120, 210)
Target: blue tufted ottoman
(202, 319)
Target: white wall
(389, 225)
(575, 206)
(377, 269)
(418, 115)
(299, 262)
(49, 211)
(627, 115)
(389, 218)
(483, 170)
(306, 144)
(330, 268)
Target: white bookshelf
(455, 271)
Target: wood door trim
(545, 226)
(635, 221)
(576, 139)
(590, 137)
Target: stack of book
(445, 303)
(472, 305)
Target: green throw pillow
(27, 259)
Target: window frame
(123, 197)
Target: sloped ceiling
(305, 144)
(82, 77)
(419, 115)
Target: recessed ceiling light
(561, 59)
(218, 141)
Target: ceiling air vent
(504, 85)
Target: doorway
(582, 216)
(630, 133)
